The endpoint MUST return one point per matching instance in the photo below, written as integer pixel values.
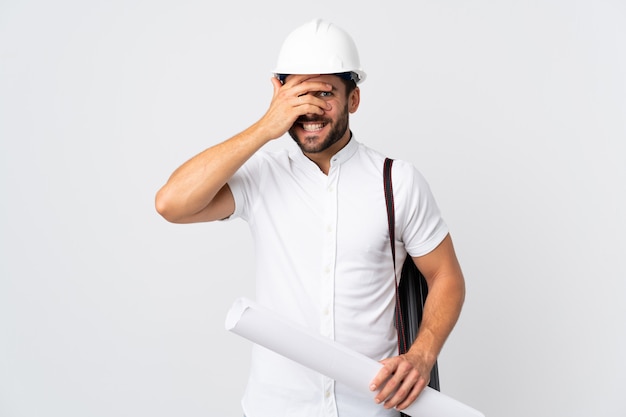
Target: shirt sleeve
(243, 185)
(418, 218)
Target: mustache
(311, 119)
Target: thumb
(276, 84)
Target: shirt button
(327, 394)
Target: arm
(197, 190)
(403, 377)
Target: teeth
(309, 127)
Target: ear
(354, 100)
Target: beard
(309, 143)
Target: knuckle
(388, 369)
(402, 392)
(392, 384)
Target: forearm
(189, 193)
(446, 294)
(411, 371)
(194, 185)
(441, 312)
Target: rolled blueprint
(268, 329)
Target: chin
(312, 144)
(318, 140)
(308, 141)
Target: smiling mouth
(312, 127)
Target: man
(318, 221)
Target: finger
(394, 391)
(405, 390)
(277, 85)
(295, 79)
(297, 85)
(383, 374)
(312, 87)
(395, 371)
(300, 86)
(414, 393)
(297, 95)
(310, 104)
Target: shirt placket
(327, 320)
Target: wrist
(424, 349)
(260, 133)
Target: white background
(515, 111)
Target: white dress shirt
(323, 260)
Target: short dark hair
(350, 85)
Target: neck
(322, 159)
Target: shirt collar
(340, 157)
(346, 152)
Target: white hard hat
(319, 47)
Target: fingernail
(372, 387)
